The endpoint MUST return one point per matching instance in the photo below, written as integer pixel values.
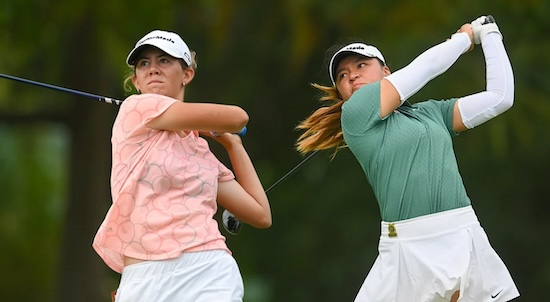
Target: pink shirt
(164, 186)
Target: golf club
(67, 90)
(230, 222)
(233, 225)
(83, 94)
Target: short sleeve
(361, 111)
(137, 110)
(441, 111)
(225, 173)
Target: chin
(157, 90)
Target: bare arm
(246, 199)
(389, 98)
(201, 117)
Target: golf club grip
(241, 133)
(489, 19)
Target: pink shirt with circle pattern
(164, 186)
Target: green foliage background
(261, 55)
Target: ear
(188, 75)
(387, 70)
(135, 82)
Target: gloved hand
(482, 26)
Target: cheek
(177, 76)
(344, 93)
(340, 87)
(135, 81)
(139, 76)
(343, 87)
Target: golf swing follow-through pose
(432, 246)
(166, 184)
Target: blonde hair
(322, 128)
(129, 86)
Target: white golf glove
(482, 26)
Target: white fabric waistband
(427, 225)
(185, 261)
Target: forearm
(428, 65)
(478, 108)
(202, 117)
(246, 175)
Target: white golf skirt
(199, 276)
(429, 258)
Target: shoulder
(368, 90)
(368, 94)
(146, 102)
(442, 111)
(361, 111)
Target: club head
(231, 224)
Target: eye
(164, 60)
(142, 63)
(361, 65)
(342, 75)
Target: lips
(155, 82)
(355, 87)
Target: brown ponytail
(322, 128)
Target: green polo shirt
(408, 156)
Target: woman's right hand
(227, 140)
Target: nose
(153, 68)
(353, 76)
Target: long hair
(322, 129)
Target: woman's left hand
(467, 28)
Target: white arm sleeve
(428, 65)
(478, 108)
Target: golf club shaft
(289, 173)
(62, 89)
(81, 93)
(233, 225)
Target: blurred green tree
(55, 148)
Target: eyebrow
(141, 56)
(357, 59)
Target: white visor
(169, 42)
(354, 48)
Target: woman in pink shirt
(160, 233)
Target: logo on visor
(157, 38)
(355, 47)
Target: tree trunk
(83, 273)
